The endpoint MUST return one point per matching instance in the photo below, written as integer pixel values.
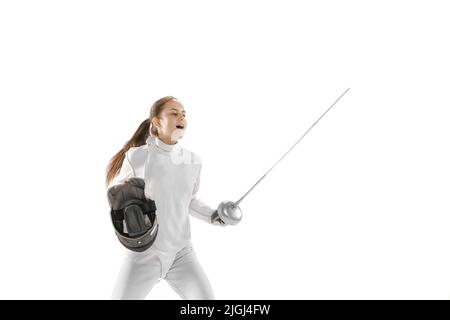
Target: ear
(156, 123)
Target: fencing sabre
(229, 211)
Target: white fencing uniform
(172, 180)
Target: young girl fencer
(172, 179)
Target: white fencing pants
(182, 271)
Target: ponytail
(138, 139)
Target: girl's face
(171, 122)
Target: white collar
(163, 146)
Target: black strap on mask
(133, 215)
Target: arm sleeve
(197, 207)
(126, 171)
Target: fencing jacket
(172, 180)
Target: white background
(358, 210)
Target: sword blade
(304, 134)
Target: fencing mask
(133, 215)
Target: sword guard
(229, 212)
